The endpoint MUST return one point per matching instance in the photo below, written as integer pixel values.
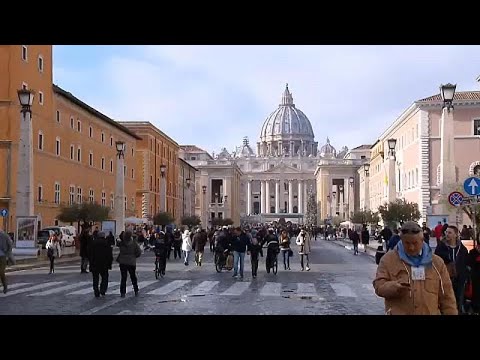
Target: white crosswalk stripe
(271, 289)
(32, 288)
(16, 285)
(306, 290)
(168, 288)
(237, 289)
(88, 290)
(61, 289)
(203, 288)
(343, 290)
(197, 288)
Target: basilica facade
(280, 176)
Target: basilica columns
(249, 197)
(267, 196)
(277, 196)
(299, 196)
(262, 197)
(290, 196)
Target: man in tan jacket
(412, 279)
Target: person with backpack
(129, 252)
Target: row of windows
(40, 62)
(90, 130)
(76, 196)
(79, 154)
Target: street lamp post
(334, 198)
(341, 200)
(24, 205)
(24, 199)
(392, 188)
(204, 210)
(163, 192)
(216, 207)
(366, 192)
(447, 133)
(225, 198)
(329, 207)
(189, 198)
(120, 189)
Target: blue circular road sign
(472, 186)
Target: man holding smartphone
(412, 280)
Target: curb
(29, 264)
(370, 251)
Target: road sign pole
(474, 225)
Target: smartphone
(405, 284)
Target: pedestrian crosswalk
(229, 288)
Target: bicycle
(221, 261)
(271, 262)
(160, 265)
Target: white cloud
(212, 96)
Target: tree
(227, 222)
(365, 217)
(311, 213)
(399, 211)
(191, 220)
(163, 218)
(85, 214)
(222, 222)
(336, 221)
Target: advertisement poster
(432, 220)
(107, 226)
(26, 234)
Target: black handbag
(290, 253)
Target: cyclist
(160, 251)
(254, 248)
(223, 244)
(273, 248)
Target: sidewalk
(347, 243)
(69, 254)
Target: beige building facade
(418, 154)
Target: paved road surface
(338, 283)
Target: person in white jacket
(303, 242)
(186, 245)
(53, 250)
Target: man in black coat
(85, 241)
(101, 258)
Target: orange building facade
(153, 150)
(74, 154)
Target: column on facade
(280, 147)
(277, 196)
(340, 202)
(267, 196)
(290, 196)
(292, 149)
(262, 196)
(249, 197)
(346, 191)
(305, 195)
(300, 197)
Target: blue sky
(213, 96)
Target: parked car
(66, 236)
(43, 236)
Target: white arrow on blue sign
(472, 186)
(4, 212)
